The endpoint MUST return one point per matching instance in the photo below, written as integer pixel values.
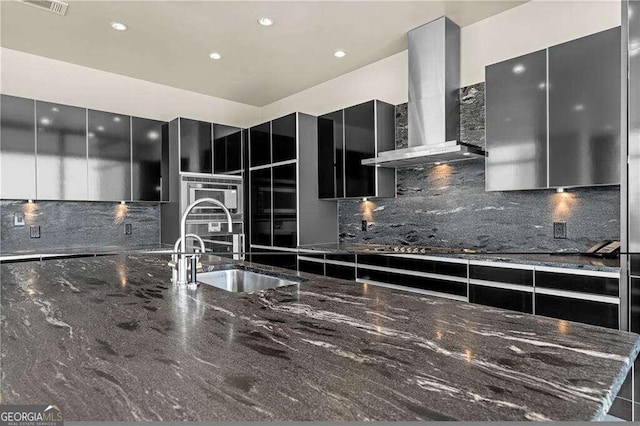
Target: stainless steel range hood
(434, 102)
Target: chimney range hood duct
(434, 102)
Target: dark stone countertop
(109, 338)
(557, 260)
(82, 251)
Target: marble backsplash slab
(77, 224)
(447, 206)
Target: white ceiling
(169, 42)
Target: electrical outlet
(560, 230)
(365, 225)
(34, 232)
(128, 229)
(18, 219)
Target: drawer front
(635, 306)
(340, 271)
(501, 275)
(311, 255)
(311, 267)
(606, 286)
(422, 283)
(521, 301)
(280, 259)
(635, 264)
(349, 258)
(584, 311)
(419, 265)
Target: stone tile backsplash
(77, 224)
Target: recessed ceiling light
(100, 128)
(119, 26)
(45, 121)
(215, 55)
(55, 109)
(265, 21)
(339, 53)
(153, 135)
(116, 119)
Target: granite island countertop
(109, 338)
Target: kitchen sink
(242, 281)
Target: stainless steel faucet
(174, 257)
(182, 257)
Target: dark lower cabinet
(635, 307)
(501, 275)
(412, 281)
(280, 259)
(634, 260)
(310, 267)
(418, 265)
(521, 301)
(584, 311)
(343, 272)
(607, 286)
(148, 138)
(622, 409)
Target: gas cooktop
(381, 248)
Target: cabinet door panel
(311, 267)
(331, 155)
(18, 148)
(62, 152)
(584, 311)
(283, 138)
(260, 145)
(109, 152)
(584, 111)
(227, 146)
(359, 122)
(195, 146)
(514, 300)
(147, 139)
(261, 207)
(285, 233)
(516, 123)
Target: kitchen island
(110, 338)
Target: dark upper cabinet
(347, 137)
(584, 111)
(195, 146)
(359, 144)
(17, 150)
(109, 155)
(331, 155)
(516, 123)
(148, 140)
(283, 138)
(62, 152)
(227, 149)
(260, 145)
(285, 223)
(260, 199)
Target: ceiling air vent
(53, 6)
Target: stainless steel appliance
(434, 103)
(209, 221)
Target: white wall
(524, 29)
(37, 77)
